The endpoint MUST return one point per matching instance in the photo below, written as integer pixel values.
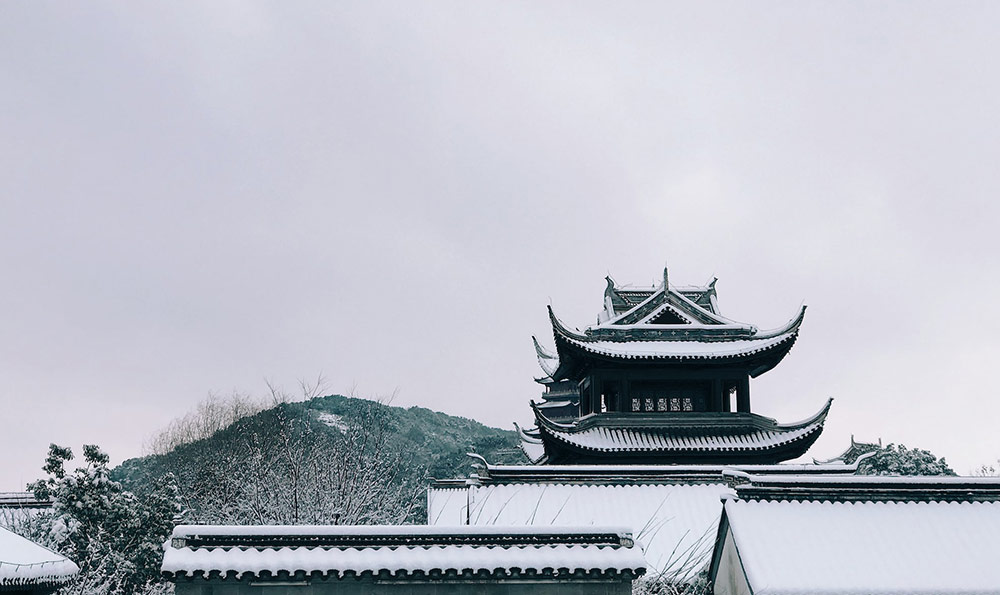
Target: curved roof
(684, 435)
(759, 352)
(666, 324)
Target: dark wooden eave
(757, 353)
(677, 438)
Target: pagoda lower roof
(676, 437)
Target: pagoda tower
(662, 378)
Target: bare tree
(211, 415)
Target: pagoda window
(662, 396)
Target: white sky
(197, 196)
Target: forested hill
(329, 459)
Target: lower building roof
(400, 552)
(848, 548)
(868, 488)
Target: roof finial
(665, 283)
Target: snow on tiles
(597, 560)
(26, 566)
(849, 548)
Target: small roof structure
(410, 553)
(25, 565)
(823, 535)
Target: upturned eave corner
(818, 418)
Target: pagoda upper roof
(735, 437)
(665, 324)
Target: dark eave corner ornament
(662, 378)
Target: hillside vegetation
(331, 459)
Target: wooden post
(717, 395)
(743, 395)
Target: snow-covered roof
(674, 522)
(400, 552)
(680, 350)
(531, 445)
(684, 433)
(677, 344)
(664, 322)
(863, 487)
(604, 439)
(24, 563)
(851, 548)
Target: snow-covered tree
(896, 459)
(285, 466)
(988, 470)
(114, 536)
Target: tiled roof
(401, 551)
(603, 439)
(850, 488)
(24, 563)
(668, 343)
(664, 323)
(848, 548)
(673, 436)
(681, 350)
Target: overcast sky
(198, 196)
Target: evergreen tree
(114, 536)
(896, 459)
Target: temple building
(642, 416)
(662, 378)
